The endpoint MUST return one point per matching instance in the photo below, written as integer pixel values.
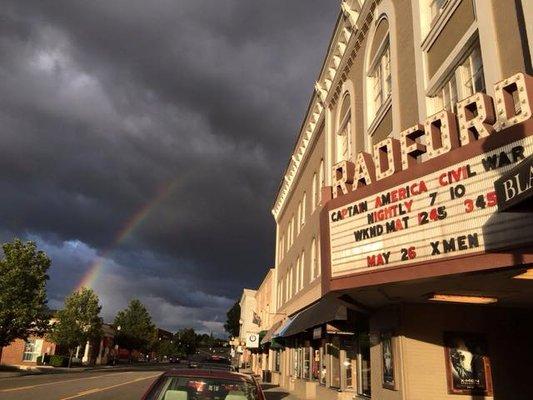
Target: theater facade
(404, 239)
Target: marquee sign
(448, 212)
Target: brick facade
(14, 353)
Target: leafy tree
(135, 330)
(166, 348)
(78, 322)
(187, 341)
(232, 324)
(22, 291)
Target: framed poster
(388, 361)
(467, 364)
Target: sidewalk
(276, 393)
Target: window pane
(323, 370)
(307, 363)
(334, 358)
(364, 364)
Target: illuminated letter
(343, 173)
(476, 117)
(387, 158)
(411, 149)
(513, 100)
(441, 134)
(365, 172)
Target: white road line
(63, 381)
(97, 390)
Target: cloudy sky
(149, 137)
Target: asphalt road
(119, 384)
(114, 384)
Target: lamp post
(116, 348)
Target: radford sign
(440, 212)
(439, 134)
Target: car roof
(209, 373)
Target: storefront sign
(317, 333)
(513, 188)
(446, 213)
(252, 341)
(467, 364)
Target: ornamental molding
(353, 23)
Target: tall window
(297, 275)
(302, 269)
(291, 287)
(343, 137)
(321, 181)
(314, 192)
(304, 200)
(299, 218)
(464, 81)
(381, 79)
(314, 259)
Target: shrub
(43, 360)
(58, 361)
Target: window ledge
(380, 115)
(438, 24)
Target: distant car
(204, 385)
(194, 364)
(173, 359)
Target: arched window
(321, 182)
(379, 80)
(343, 138)
(302, 269)
(304, 200)
(314, 192)
(317, 252)
(313, 260)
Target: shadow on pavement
(275, 395)
(273, 392)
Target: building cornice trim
(351, 27)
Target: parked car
(203, 384)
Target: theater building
(404, 236)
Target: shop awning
(268, 335)
(326, 310)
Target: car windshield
(196, 388)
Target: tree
(166, 348)
(135, 329)
(232, 325)
(23, 279)
(78, 322)
(187, 341)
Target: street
(115, 384)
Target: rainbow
(96, 267)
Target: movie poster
(468, 367)
(388, 361)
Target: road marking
(97, 390)
(63, 381)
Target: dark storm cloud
(106, 102)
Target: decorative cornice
(350, 14)
(352, 25)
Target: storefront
(433, 236)
(325, 350)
